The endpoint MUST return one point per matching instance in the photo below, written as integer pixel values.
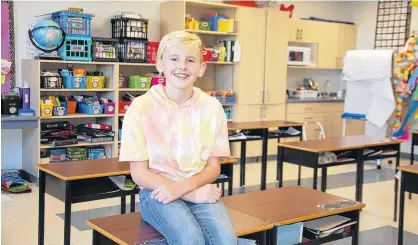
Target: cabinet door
(274, 112)
(294, 30)
(276, 57)
(247, 113)
(250, 70)
(354, 127)
(347, 41)
(309, 32)
(328, 47)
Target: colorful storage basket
(77, 24)
(76, 48)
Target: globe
(47, 35)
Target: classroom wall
(364, 15)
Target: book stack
(76, 154)
(96, 153)
(323, 227)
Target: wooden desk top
(339, 143)
(285, 205)
(263, 124)
(410, 168)
(129, 228)
(86, 169)
(94, 168)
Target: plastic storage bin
(157, 80)
(133, 51)
(51, 82)
(76, 48)
(130, 28)
(204, 25)
(226, 25)
(227, 99)
(109, 107)
(74, 82)
(60, 110)
(77, 24)
(95, 82)
(139, 82)
(104, 49)
(91, 109)
(152, 52)
(123, 81)
(46, 110)
(207, 53)
(72, 105)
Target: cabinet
(304, 31)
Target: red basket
(152, 52)
(124, 105)
(207, 54)
(247, 3)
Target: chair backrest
(321, 133)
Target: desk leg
(123, 204)
(300, 167)
(132, 203)
(264, 160)
(231, 179)
(280, 158)
(41, 213)
(67, 213)
(359, 177)
(356, 232)
(263, 237)
(398, 156)
(412, 157)
(324, 180)
(315, 174)
(242, 162)
(401, 210)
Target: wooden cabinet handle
(297, 34)
(301, 36)
(262, 95)
(308, 118)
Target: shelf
(77, 145)
(135, 64)
(202, 4)
(220, 63)
(313, 67)
(94, 63)
(78, 90)
(121, 114)
(78, 115)
(212, 33)
(133, 89)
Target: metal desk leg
(356, 232)
(242, 163)
(412, 157)
(359, 177)
(315, 175)
(280, 158)
(123, 204)
(231, 179)
(264, 160)
(300, 167)
(41, 212)
(401, 211)
(324, 180)
(132, 203)
(398, 156)
(67, 213)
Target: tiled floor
(19, 215)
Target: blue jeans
(186, 223)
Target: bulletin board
(8, 43)
(392, 24)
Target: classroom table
(306, 153)
(83, 181)
(254, 215)
(409, 183)
(261, 129)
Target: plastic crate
(74, 82)
(129, 28)
(109, 107)
(139, 82)
(46, 110)
(158, 80)
(152, 52)
(105, 49)
(60, 110)
(124, 105)
(77, 24)
(133, 51)
(52, 82)
(76, 48)
(91, 109)
(95, 82)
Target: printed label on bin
(126, 107)
(47, 111)
(135, 28)
(77, 82)
(77, 25)
(110, 108)
(60, 111)
(77, 48)
(96, 110)
(12, 110)
(95, 82)
(52, 83)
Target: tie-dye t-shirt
(177, 140)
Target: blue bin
(60, 110)
(77, 24)
(75, 82)
(76, 48)
(91, 109)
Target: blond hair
(190, 41)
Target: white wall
(364, 15)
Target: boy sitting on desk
(174, 137)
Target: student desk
(260, 128)
(82, 181)
(254, 214)
(409, 183)
(306, 153)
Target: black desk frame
(264, 137)
(310, 159)
(71, 192)
(409, 183)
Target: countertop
(312, 100)
(18, 122)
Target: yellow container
(226, 25)
(95, 82)
(191, 24)
(46, 110)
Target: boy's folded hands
(208, 193)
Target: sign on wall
(7, 44)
